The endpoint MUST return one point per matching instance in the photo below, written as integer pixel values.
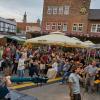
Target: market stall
(15, 39)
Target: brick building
(74, 17)
(28, 28)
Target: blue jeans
(66, 75)
(20, 73)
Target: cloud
(34, 8)
(9, 14)
(16, 9)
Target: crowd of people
(72, 65)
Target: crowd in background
(19, 60)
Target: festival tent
(56, 39)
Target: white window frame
(54, 26)
(64, 27)
(61, 10)
(98, 27)
(6, 30)
(2, 29)
(66, 10)
(95, 29)
(2, 24)
(78, 25)
(75, 26)
(49, 10)
(28, 28)
(48, 26)
(55, 10)
(59, 25)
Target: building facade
(74, 17)
(28, 28)
(7, 26)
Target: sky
(16, 9)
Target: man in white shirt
(74, 85)
(91, 71)
(21, 66)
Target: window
(60, 10)
(2, 29)
(95, 28)
(66, 10)
(59, 26)
(11, 28)
(98, 28)
(6, 25)
(78, 27)
(54, 26)
(27, 28)
(6, 30)
(49, 10)
(48, 26)
(75, 27)
(55, 10)
(64, 27)
(1, 24)
(15, 28)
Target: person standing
(33, 68)
(42, 68)
(4, 90)
(21, 66)
(74, 85)
(66, 70)
(17, 56)
(91, 71)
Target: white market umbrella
(58, 32)
(96, 46)
(77, 41)
(49, 39)
(88, 43)
(55, 39)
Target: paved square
(56, 92)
